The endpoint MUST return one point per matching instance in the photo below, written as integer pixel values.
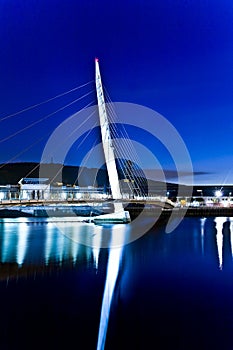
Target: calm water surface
(162, 291)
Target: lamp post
(218, 193)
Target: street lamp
(218, 193)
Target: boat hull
(122, 217)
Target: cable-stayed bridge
(126, 178)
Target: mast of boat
(107, 141)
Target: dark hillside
(69, 175)
(12, 173)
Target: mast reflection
(116, 245)
(97, 243)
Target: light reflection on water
(219, 239)
(28, 242)
(114, 260)
(22, 243)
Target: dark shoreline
(134, 212)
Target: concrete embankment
(183, 212)
(91, 209)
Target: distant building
(40, 188)
(9, 192)
(34, 188)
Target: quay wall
(17, 209)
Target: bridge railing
(204, 201)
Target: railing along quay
(184, 212)
(201, 211)
(135, 207)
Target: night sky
(174, 57)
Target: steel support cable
(128, 150)
(57, 173)
(128, 145)
(44, 102)
(88, 156)
(46, 117)
(23, 151)
(86, 136)
(75, 129)
(125, 135)
(115, 131)
(37, 141)
(115, 134)
(33, 169)
(135, 175)
(32, 145)
(120, 166)
(121, 163)
(64, 140)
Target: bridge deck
(19, 202)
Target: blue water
(162, 291)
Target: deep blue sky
(174, 56)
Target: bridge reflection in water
(36, 246)
(33, 247)
(35, 241)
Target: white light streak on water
(219, 238)
(97, 242)
(203, 220)
(231, 232)
(75, 246)
(74, 251)
(49, 242)
(23, 232)
(60, 247)
(7, 243)
(114, 260)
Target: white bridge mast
(106, 137)
(119, 215)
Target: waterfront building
(34, 188)
(40, 189)
(9, 192)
